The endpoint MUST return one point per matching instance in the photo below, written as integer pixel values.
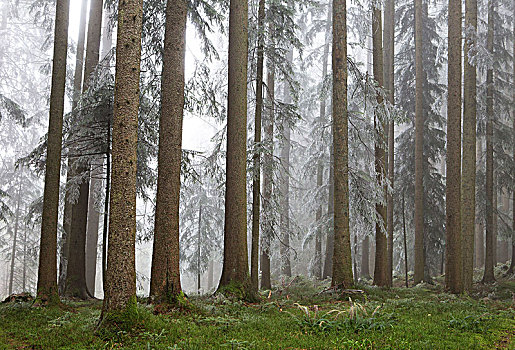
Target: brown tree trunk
(70, 172)
(389, 54)
(268, 173)
(284, 184)
(320, 167)
(419, 147)
(120, 291)
(365, 258)
(405, 242)
(256, 181)
(453, 265)
(235, 269)
(512, 264)
(488, 276)
(76, 270)
(47, 270)
(468, 181)
(381, 261)
(342, 259)
(165, 282)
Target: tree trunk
(329, 243)
(453, 265)
(210, 273)
(468, 181)
(488, 276)
(381, 261)
(256, 181)
(92, 226)
(479, 245)
(268, 174)
(24, 275)
(512, 264)
(284, 184)
(70, 172)
(47, 270)
(105, 227)
(405, 242)
(419, 147)
(165, 282)
(365, 258)
(389, 55)
(15, 237)
(319, 273)
(235, 271)
(120, 291)
(342, 263)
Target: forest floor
(301, 314)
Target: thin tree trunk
(268, 231)
(453, 265)
(165, 282)
(256, 181)
(210, 273)
(381, 261)
(120, 291)
(419, 147)
(284, 183)
(15, 237)
(199, 240)
(92, 226)
(365, 258)
(389, 55)
(488, 276)
(235, 269)
(329, 243)
(105, 227)
(24, 276)
(342, 263)
(479, 245)
(47, 270)
(512, 264)
(405, 242)
(317, 265)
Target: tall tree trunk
(320, 167)
(24, 271)
(120, 291)
(405, 242)
(15, 237)
(92, 226)
(389, 55)
(76, 270)
(235, 270)
(512, 264)
(453, 265)
(342, 259)
(419, 147)
(329, 243)
(199, 241)
(365, 258)
(268, 173)
(468, 181)
(165, 282)
(256, 181)
(47, 270)
(479, 245)
(488, 276)
(70, 172)
(381, 261)
(496, 215)
(284, 184)
(210, 273)
(105, 227)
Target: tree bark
(342, 259)
(453, 265)
(512, 264)
(92, 226)
(389, 56)
(479, 245)
(256, 181)
(120, 291)
(47, 270)
(488, 276)
(15, 237)
(381, 261)
(405, 242)
(165, 282)
(235, 270)
(329, 243)
(284, 185)
(365, 258)
(419, 147)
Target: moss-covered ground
(293, 316)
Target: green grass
(414, 318)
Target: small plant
(467, 323)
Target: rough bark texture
(284, 184)
(419, 147)
(468, 180)
(165, 281)
(256, 181)
(453, 265)
(76, 270)
(235, 270)
(381, 260)
(120, 291)
(320, 166)
(342, 259)
(488, 276)
(268, 173)
(47, 270)
(389, 55)
(77, 87)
